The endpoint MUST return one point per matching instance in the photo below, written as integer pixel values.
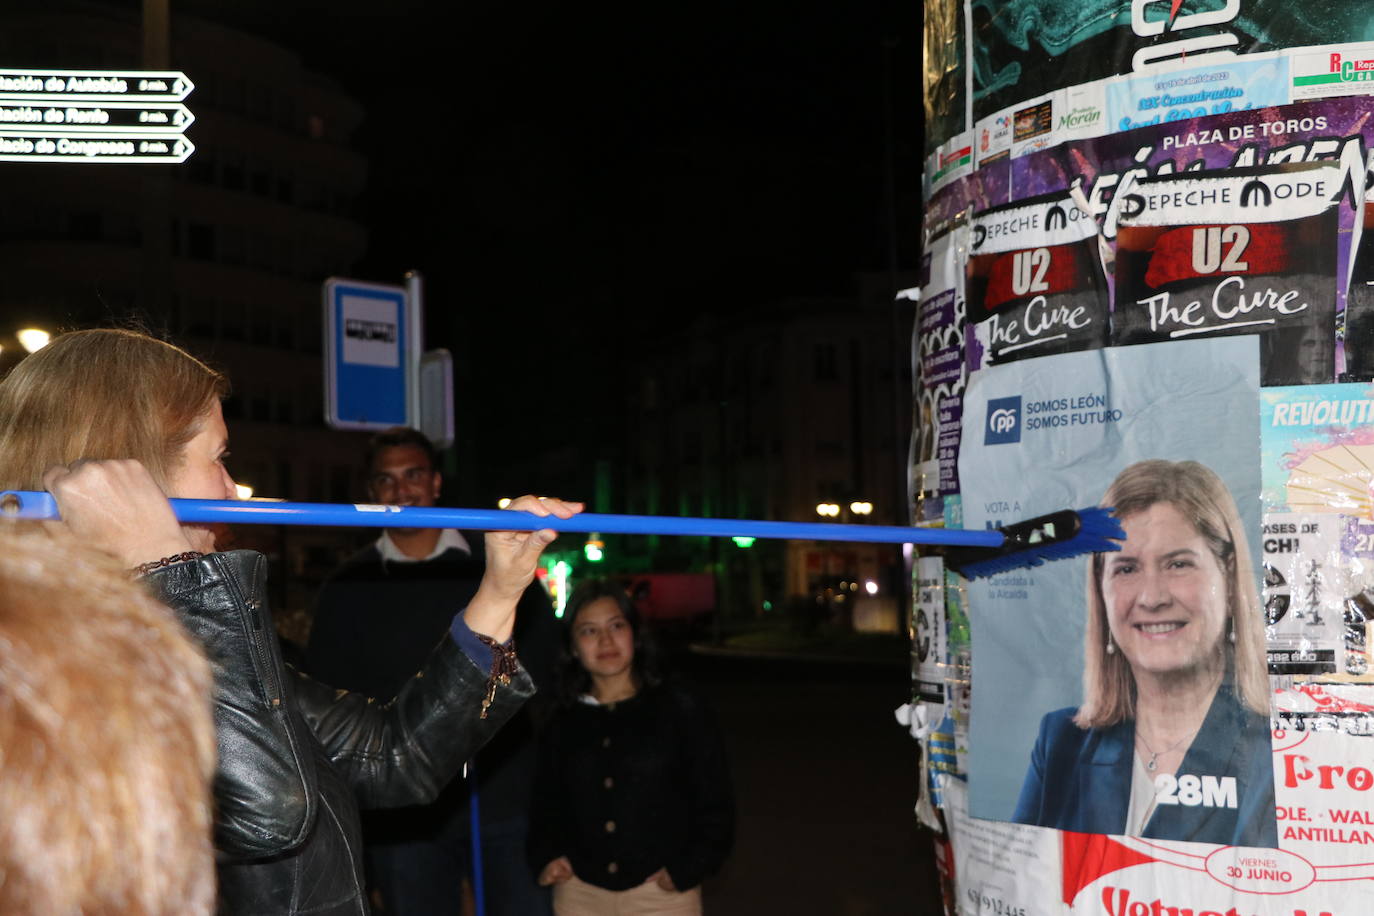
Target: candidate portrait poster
(1056, 432)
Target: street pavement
(825, 782)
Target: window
(340, 483)
(199, 317)
(281, 408)
(231, 321)
(691, 447)
(200, 241)
(201, 167)
(231, 245)
(260, 406)
(232, 173)
(85, 226)
(262, 325)
(824, 366)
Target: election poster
(1137, 427)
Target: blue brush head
(1049, 537)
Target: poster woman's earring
(1231, 632)
(1111, 646)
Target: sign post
(436, 397)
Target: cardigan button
(606, 742)
(613, 868)
(610, 826)
(609, 782)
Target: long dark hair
(573, 680)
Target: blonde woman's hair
(107, 745)
(1200, 496)
(102, 394)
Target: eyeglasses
(409, 475)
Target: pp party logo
(1004, 421)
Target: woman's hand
(512, 558)
(557, 871)
(663, 880)
(116, 506)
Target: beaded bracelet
(144, 568)
(504, 665)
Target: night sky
(574, 180)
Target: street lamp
(861, 508)
(827, 509)
(33, 339)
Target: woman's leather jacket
(298, 758)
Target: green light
(593, 552)
(559, 574)
(743, 542)
(768, 605)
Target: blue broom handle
(272, 512)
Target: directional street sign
(94, 116)
(73, 85)
(91, 117)
(123, 147)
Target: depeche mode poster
(1056, 432)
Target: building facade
(768, 416)
(223, 254)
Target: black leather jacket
(297, 758)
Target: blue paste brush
(977, 553)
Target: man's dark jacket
(375, 623)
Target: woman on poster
(1172, 740)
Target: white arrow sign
(65, 85)
(125, 147)
(33, 116)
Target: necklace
(1152, 763)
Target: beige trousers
(575, 897)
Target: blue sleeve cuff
(477, 651)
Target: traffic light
(595, 549)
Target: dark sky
(720, 152)
(572, 178)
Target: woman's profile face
(603, 639)
(1165, 594)
(200, 473)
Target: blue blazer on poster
(1080, 779)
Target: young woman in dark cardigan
(632, 804)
